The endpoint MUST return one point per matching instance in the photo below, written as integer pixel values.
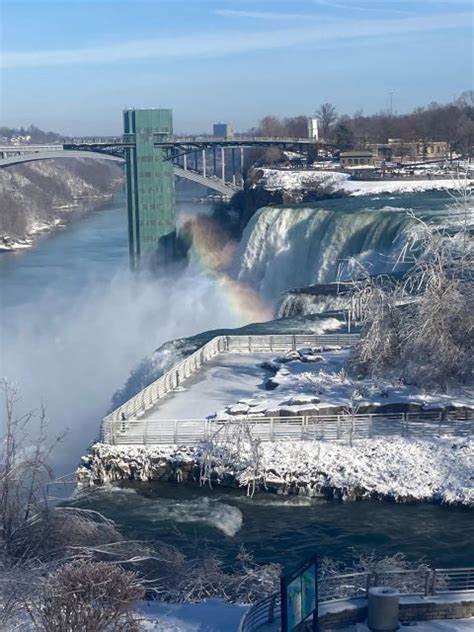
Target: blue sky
(73, 65)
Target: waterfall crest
(287, 247)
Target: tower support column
(150, 182)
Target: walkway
(223, 380)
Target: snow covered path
(208, 616)
(225, 379)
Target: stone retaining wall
(345, 613)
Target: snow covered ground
(357, 187)
(215, 616)
(307, 384)
(275, 179)
(208, 616)
(312, 380)
(400, 469)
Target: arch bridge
(153, 156)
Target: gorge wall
(34, 196)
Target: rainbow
(213, 251)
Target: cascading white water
(287, 247)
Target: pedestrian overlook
(225, 369)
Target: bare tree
(327, 115)
(24, 474)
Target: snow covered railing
(346, 428)
(173, 379)
(331, 589)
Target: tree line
(452, 123)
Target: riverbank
(40, 197)
(390, 468)
(62, 217)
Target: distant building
(313, 130)
(222, 130)
(418, 149)
(357, 158)
(383, 152)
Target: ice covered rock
(311, 357)
(302, 400)
(238, 409)
(270, 365)
(288, 357)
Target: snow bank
(276, 179)
(395, 468)
(404, 470)
(286, 180)
(353, 187)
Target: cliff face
(35, 196)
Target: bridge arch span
(214, 184)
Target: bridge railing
(174, 377)
(177, 140)
(334, 588)
(345, 428)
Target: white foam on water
(223, 517)
(207, 511)
(280, 501)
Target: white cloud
(264, 15)
(210, 45)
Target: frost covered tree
(421, 328)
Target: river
(75, 322)
(285, 529)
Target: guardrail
(331, 589)
(172, 379)
(342, 427)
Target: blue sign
(299, 597)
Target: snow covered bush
(203, 575)
(391, 570)
(85, 595)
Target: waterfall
(287, 247)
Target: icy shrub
(85, 595)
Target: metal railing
(172, 379)
(331, 589)
(345, 428)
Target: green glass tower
(150, 182)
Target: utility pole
(391, 103)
